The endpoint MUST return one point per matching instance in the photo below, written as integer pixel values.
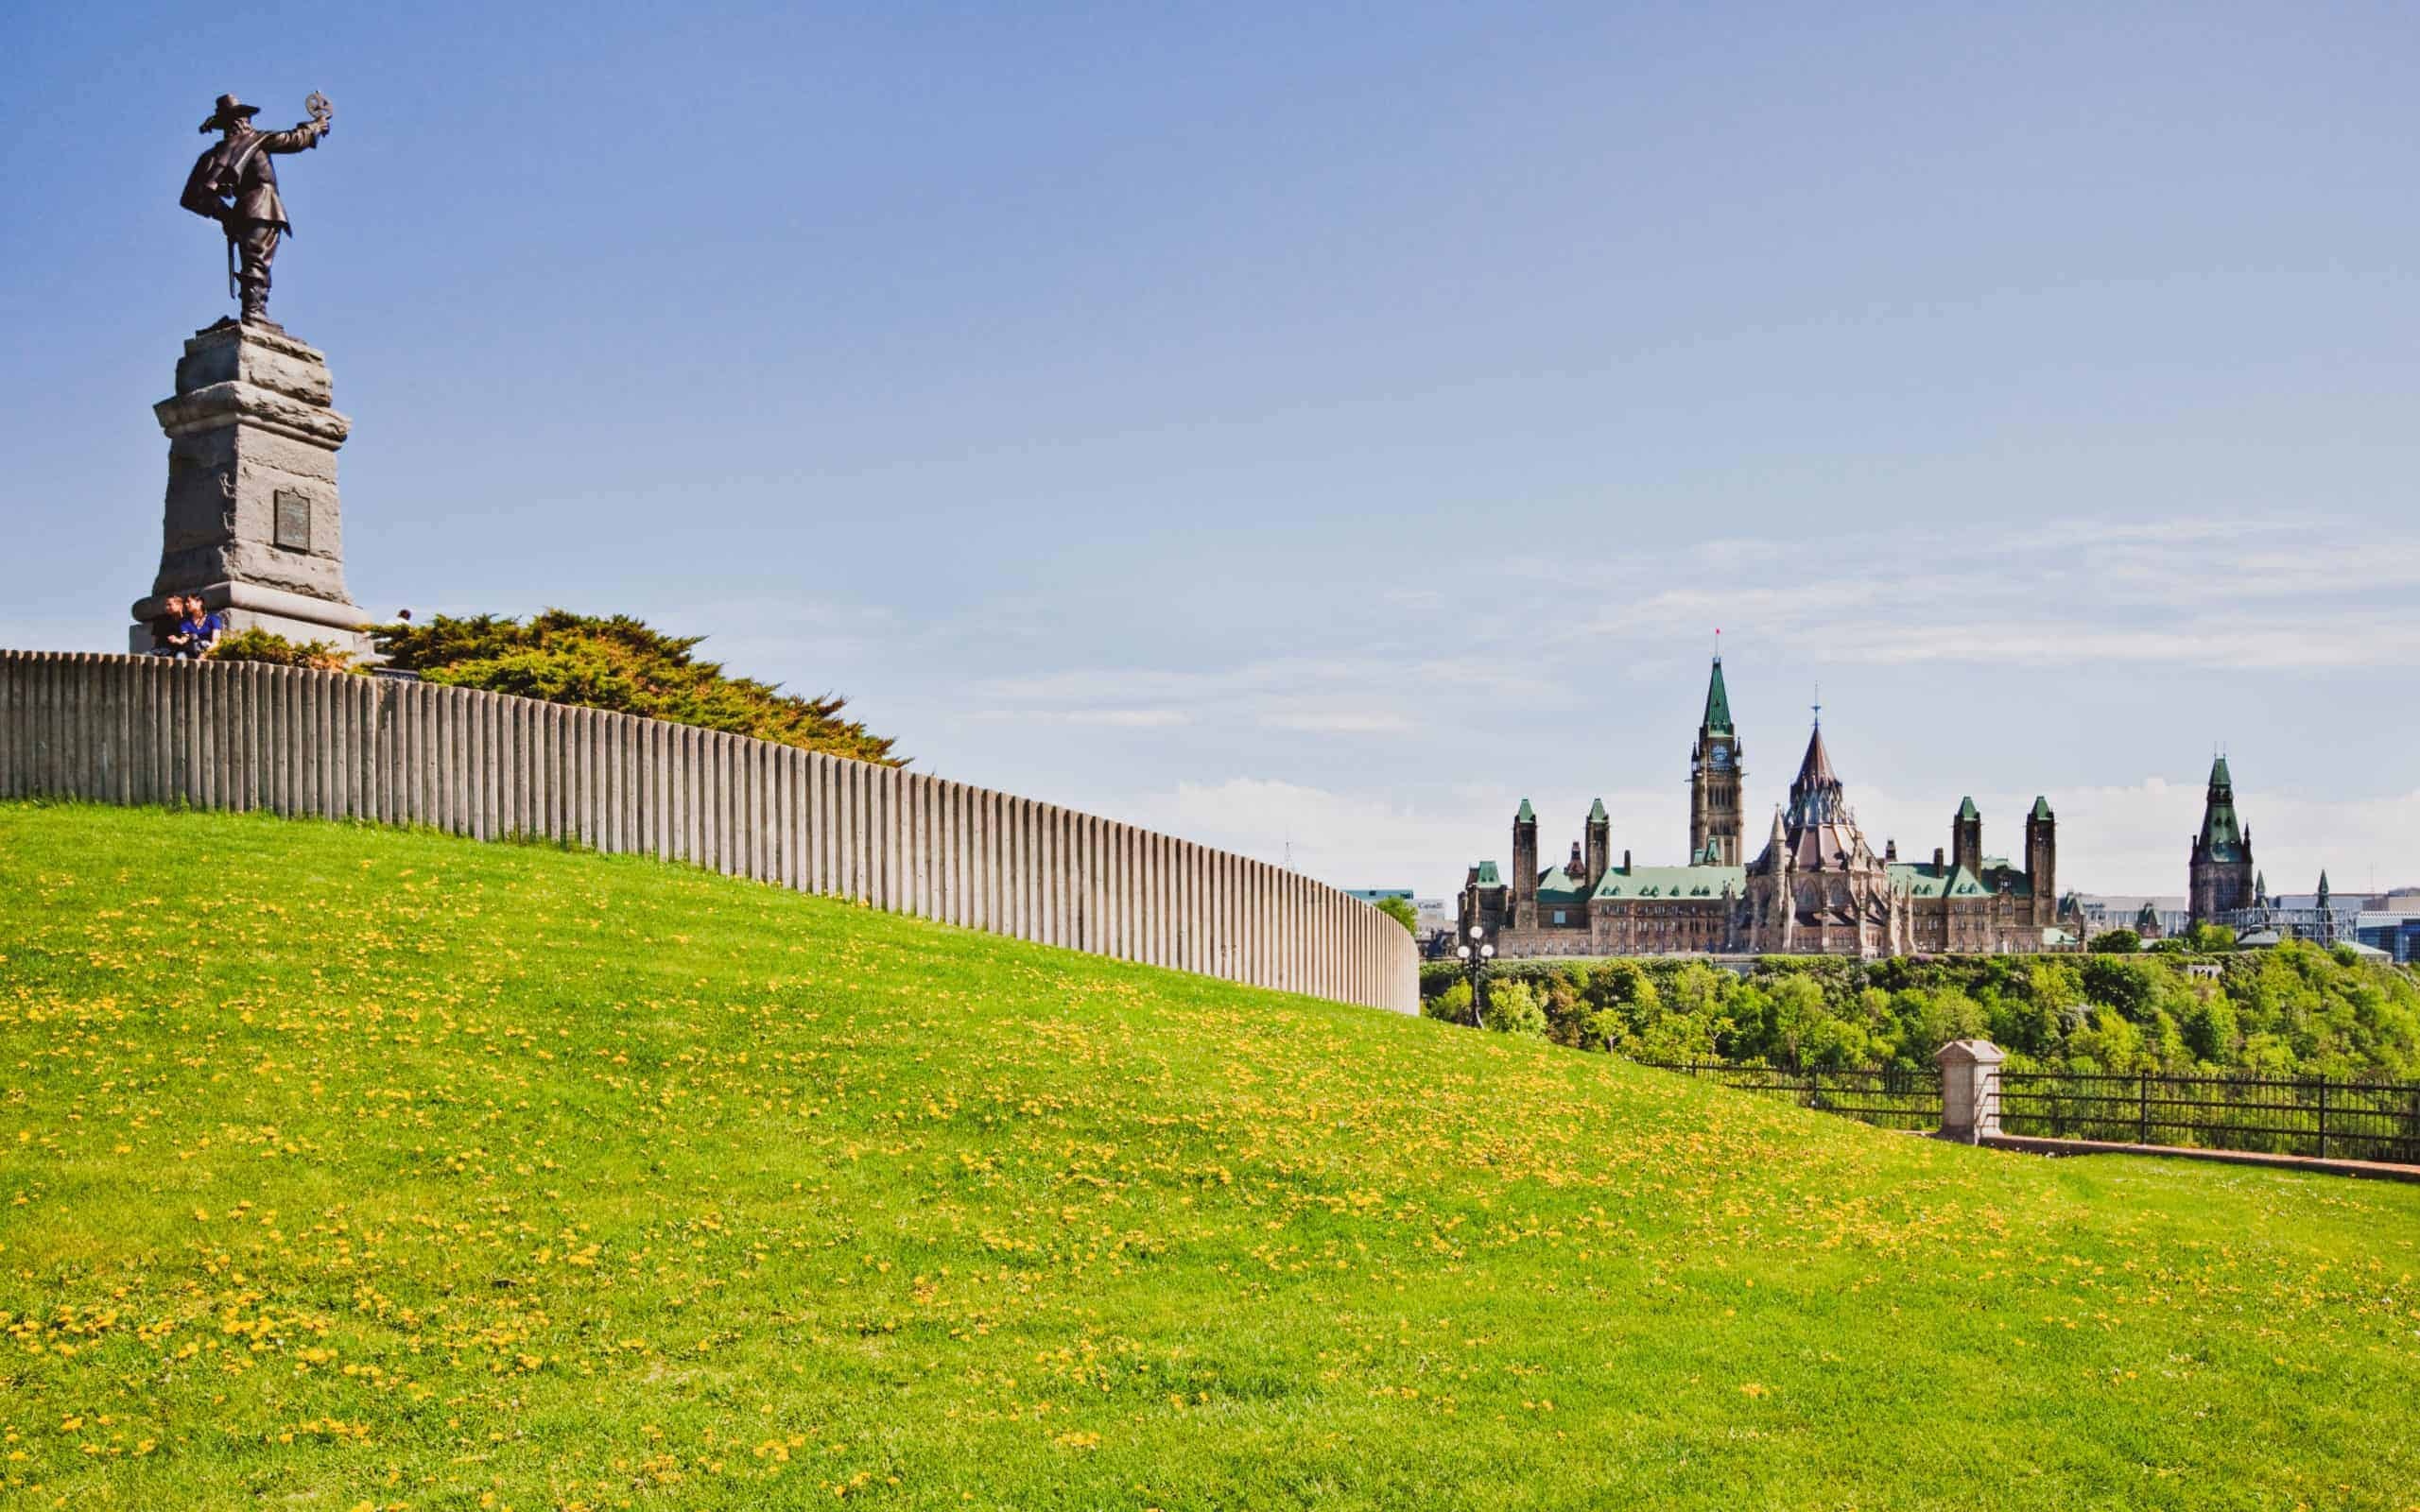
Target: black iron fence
(2345, 1120)
(1891, 1096)
(2341, 1119)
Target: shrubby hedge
(271, 649)
(2295, 1010)
(618, 663)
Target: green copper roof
(1966, 809)
(1526, 815)
(1597, 812)
(2042, 808)
(1922, 879)
(1487, 875)
(1673, 882)
(1561, 885)
(2222, 833)
(1717, 703)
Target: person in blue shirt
(199, 629)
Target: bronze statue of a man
(234, 184)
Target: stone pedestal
(1970, 1089)
(252, 524)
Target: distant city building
(2396, 934)
(2228, 889)
(2316, 917)
(2218, 877)
(2153, 917)
(1372, 895)
(1818, 888)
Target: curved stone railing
(142, 730)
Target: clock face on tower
(1722, 755)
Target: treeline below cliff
(2297, 1011)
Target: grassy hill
(351, 1167)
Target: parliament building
(1815, 888)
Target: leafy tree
(2209, 940)
(2294, 1010)
(2109, 1044)
(2116, 942)
(1795, 1013)
(1453, 1005)
(1401, 910)
(2124, 984)
(1513, 1008)
(2210, 1031)
(621, 664)
(1571, 1019)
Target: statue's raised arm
(235, 184)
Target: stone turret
(2042, 860)
(1966, 838)
(1524, 867)
(1601, 843)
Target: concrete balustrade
(237, 736)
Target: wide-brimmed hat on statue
(230, 110)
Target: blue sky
(1313, 429)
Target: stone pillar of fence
(1970, 1089)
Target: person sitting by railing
(164, 625)
(199, 629)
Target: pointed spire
(1526, 814)
(2223, 836)
(1966, 809)
(1597, 813)
(2323, 888)
(2260, 887)
(1817, 765)
(1717, 701)
(2042, 808)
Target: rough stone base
(251, 520)
(247, 607)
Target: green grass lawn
(351, 1167)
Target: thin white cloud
(1341, 722)
(1128, 718)
(2225, 594)
(1155, 718)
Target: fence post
(2143, 1110)
(1970, 1089)
(2323, 1118)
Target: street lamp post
(1475, 952)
